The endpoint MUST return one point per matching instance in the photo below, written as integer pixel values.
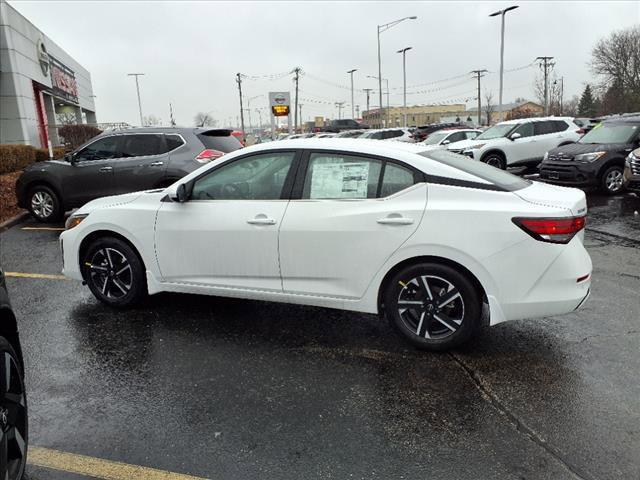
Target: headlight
(589, 157)
(74, 221)
(546, 155)
(476, 146)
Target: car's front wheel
(495, 160)
(114, 272)
(433, 306)
(612, 180)
(44, 204)
(13, 415)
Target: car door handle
(395, 220)
(261, 220)
(156, 164)
(106, 169)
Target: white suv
(398, 134)
(519, 143)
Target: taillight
(209, 154)
(554, 230)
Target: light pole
(350, 72)
(138, 90)
(249, 111)
(384, 28)
(381, 107)
(404, 81)
(502, 14)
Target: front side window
(337, 176)
(525, 130)
(142, 145)
(258, 177)
(102, 149)
(456, 137)
(435, 138)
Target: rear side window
(140, 145)
(559, 125)
(543, 128)
(393, 134)
(221, 141)
(501, 179)
(337, 177)
(173, 142)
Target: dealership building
(41, 86)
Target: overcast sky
(191, 51)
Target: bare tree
(66, 118)
(150, 121)
(489, 107)
(616, 60)
(570, 107)
(555, 92)
(204, 120)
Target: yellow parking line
(97, 467)
(51, 229)
(35, 275)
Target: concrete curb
(7, 224)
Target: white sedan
(438, 244)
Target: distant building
(39, 84)
(509, 111)
(416, 115)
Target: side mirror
(70, 157)
(515, 136)
(181, 193)
(446, 142)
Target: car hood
(571, 199)
(574, 149)
(47, 166)
(465, 144)
(112, 201)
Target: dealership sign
(280, 103)
(63, 80)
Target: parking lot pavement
(220, 388)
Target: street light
(380, 83)
(404, 81)
(350, 72)
(502, 14)
(384, 28)
(249, 110)
(138, 90)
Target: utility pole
(479, 75)
(295, 112)
(546, 64)
(339, 105)
(404, 83)
(171, 119)
(300, 109)
(502, 13)
(357, 111)
(350, 72)
(260, 117)
(239, 80)
(138, 90)
(367, 91)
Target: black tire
(419, 315)
(495, 160)
(14, 422)
(44, 204)
(611, 180)
(114, 272)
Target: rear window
(222, 141)
(500, 178)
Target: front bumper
(631, 178)
(569, 173)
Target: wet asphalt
(233, 389)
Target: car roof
(533, 119)
(621, 119)
(194, 130)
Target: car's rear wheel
(433, 306)
(612, 180)
(495, 160)
(13, 415)
(44, 204)
(114, 272)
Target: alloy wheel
(494, 162)
(42, 204)
(13, 419)
(613, 180)
(110, 272)
(430, 306)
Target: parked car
(585, 124)
(118, 162)
(14, 431)
(430, 267)
(519, 143)
(351, 133)
(337, 126)
(400, 134)
(446, 138)
(300, 135)
(325, 135)
(597, 159)
(420, 134)
(632, 171)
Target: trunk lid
(571, 199)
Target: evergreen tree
(587, 105)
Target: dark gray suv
(118, 162)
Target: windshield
(610, 133)
(435, 138)
(497, 131)
(493, 175)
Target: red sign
(63, 80)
